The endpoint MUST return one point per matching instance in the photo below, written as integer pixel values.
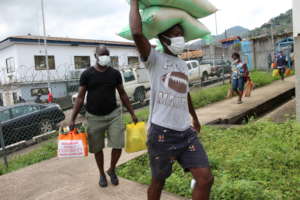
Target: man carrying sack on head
(170, 136)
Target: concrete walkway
(229, 108)
(76, 179)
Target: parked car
(24, 121)
(198, 71)
(218, 65)
(136, 84)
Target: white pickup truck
(198, 72)
(136, 84)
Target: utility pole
(296, 28)
(272, 38)
(45, 44)
(214, 48)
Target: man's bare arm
(196, 123)
(142, 43)
(78, 105)
(125, 100)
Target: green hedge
(259, 161)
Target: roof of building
(267, 36)
(66, 41)
(191, 54)
(231, 39)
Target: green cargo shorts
(100, 126)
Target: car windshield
(4, 115)
(205, 62)
(194, 64)
(21, 110)
(128, 76)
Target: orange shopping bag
(72, 144)
(248, 89)
(288, 72)
(229, 93)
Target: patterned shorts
(165, 146)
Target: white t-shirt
(169, 90)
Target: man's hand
(134, 119)
(142, 43)
(196, 125)
(72, 125)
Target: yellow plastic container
(275, 73)
(136, 137)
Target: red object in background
(50, 97)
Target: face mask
(177, 45)
(236, 61)
(104, 61)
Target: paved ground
(68, 179)
(229, 108)
(76, 179)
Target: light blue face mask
(104, 61)
(177, 45)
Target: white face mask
(104, 61)
(236, 61)
(177, 45)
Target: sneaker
(239, 102)
(113, 177)
(103, 181)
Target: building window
(82, 62)
(115, 62)
(39, 91)
(133, 61)
(40, 63)
(10, 65)
(1, 99)
(15, 97)
(72, 88)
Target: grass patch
(258, 161)
(44, 152)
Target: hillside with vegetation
(280, 24)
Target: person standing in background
(270, 61)
(281, 64)
(50, 97)
(239, 74)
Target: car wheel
(140, 95)
(82, 111)
(204, 77)
(45, 126)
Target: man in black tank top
(100, 82)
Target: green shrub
(45, 152)
(257, 161)
(261, 78)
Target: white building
(23, 71)
(296, 21)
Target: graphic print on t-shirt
(176, 81)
